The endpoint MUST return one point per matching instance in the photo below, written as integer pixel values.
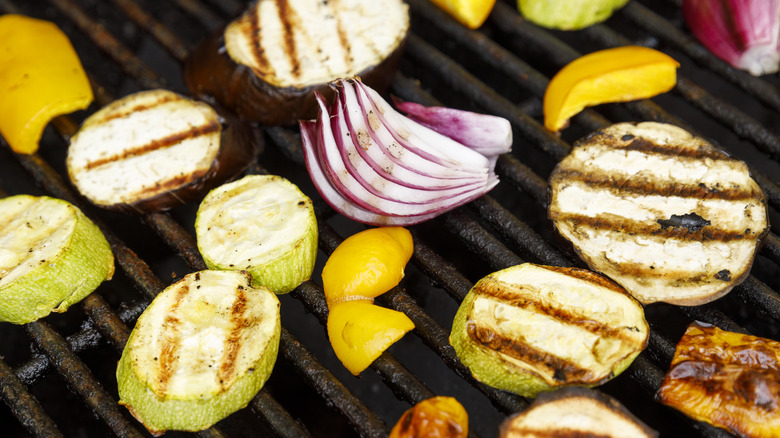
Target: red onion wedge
(377, 166)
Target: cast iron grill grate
(56, 375)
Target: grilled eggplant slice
(267, 64)
(531, 328)
(663, 213)
(729, 380)
(262, 224)
(575, 412)
(51, 256)
(201, 351)
(155, 150)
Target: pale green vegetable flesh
(51, 256)
(262, 224)
(530, 328)
(568, 14)
(201, 351)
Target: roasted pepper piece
(470, 13)
(621, 74)
(436, 417)
(365, 266)
(41, 78)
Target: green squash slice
(262, 224)
(202, 350)
(51, 257)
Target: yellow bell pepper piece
(360, 331)
(470, 13)
(621, 74)
(364, 266)
(41, 78)
(441, 417)
(367, 264)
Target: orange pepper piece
(621, 74)
(470, 13)
(436, 417)
(41, 78)
(364, 266)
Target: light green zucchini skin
(487, 366)
(162, 414)
(568, 14)
(75, 272)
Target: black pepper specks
(723, 275)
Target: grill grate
(503, 69)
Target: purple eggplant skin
(240, 144)
(211, 75)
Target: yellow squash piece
(364, 266)
(41, 78)
(360, 331)
(439, 417)
(621, 74)
(470, 13)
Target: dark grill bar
(502, 69)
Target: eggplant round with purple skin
(155, 150)
(266, 65)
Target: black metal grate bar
(24, 406)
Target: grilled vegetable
(575, 412)
(262, 224)
(744, 33)
(267, 64)
(613, 75)
(41, 78)
(663, 213)
(470, 13)
(532, 328)
(436, 417)
(51, 256)
(376, 166)
(726, 379)
(568, 14)
(155, 150)
(201, 351)
(362, 267)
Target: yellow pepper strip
(442, 417)
(470, 13)
(360, 331)
(367, 264)
(41, 78)
(621, 74)
(364, 266)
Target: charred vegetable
(379, 167)
(665, 214)
(726, 379)
(51, 256)
(532, 328)
(436, 417)
(41, 78)
(201, 351)
(155, 150)
(267, 64)
(262, 224)
(575, 412)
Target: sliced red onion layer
(376, 166)
(744, 33)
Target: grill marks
(170, 343)
(292, 25)
(157, 144)
(233, 342)
(256, 41)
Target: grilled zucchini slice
(201, 351)
(575, 412)
(531, 328)
(262, 224)
(51, 256)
